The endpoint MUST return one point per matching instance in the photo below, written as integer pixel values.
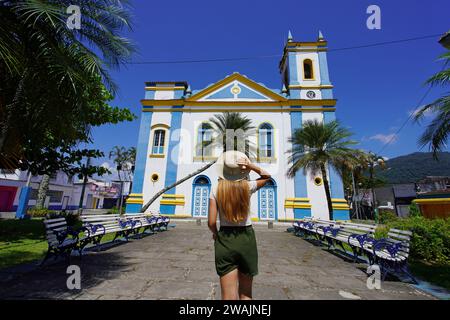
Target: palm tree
(118, 154)
(37, 47)
(316, 146)
(437, 132)
(231, 132)
(223, 126)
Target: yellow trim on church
(173, 199)
(163, 88)
(298, 86)
(243, 80)
(135, 201)
(132, 195)
(279, 103)
(297, 203)
(339, 204)
(322, 43)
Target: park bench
(359, 237)
(391, 253)
(148, 221)
(162, 222)
(61, 238)
(101, 224)
(301, 226)
(151, 221)
(310, 227)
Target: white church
(172, 127)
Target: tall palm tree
(130, 160)
(317, 145)
(437, 132)
(118, 155)
(223, 126)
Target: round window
(318, 181)
(155, 177)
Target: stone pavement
(179, 264)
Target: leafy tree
(55, 83)
(316, 146)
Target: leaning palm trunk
(326, 185)
(148, 204)
(42, 192)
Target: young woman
(236, 255)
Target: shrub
(430, 240)
(114, 210)
(39, 213)
(72, 219)
(414, 210)
(381, 231)
(386, 216)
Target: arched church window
(204, 140)
(265, 141)
(308, 69)
(158, 141)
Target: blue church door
(200, 197)
(267, 201)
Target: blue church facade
(173, 126)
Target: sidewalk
(179, 264)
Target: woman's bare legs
(245, 286)
(229, 285)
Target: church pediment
(236, 88)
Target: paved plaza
(179, 264)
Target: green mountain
(414, 167)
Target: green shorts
(235, 247)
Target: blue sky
(376, 87)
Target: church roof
(236, 86)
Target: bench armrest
(83, 229)
(133, 223)
(94, 227)
(391, 248)
(124, 224)
(333, 230)
(62, 235)
(361, 238)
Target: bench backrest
(52, 225)
(400, 236)
(109, 221)
(348, 228)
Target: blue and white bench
(390, 253)
(100, 225)
(62, 239)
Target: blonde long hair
(233, 199)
